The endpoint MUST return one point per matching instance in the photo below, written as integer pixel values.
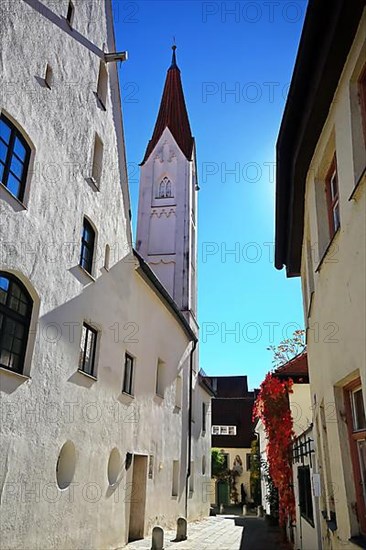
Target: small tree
(288, 349)
(218, 463)
(255, 473)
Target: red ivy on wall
(272, 407)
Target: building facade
(232, 432)
(320, 236)
(98, 361)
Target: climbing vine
(272, 408)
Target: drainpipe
(189, 454)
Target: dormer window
(165, 189)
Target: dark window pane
(5, 131)
(4, 357)
(4, 286)
(359, 411)
(15, 310)
(16, 167)
(13, 184)
(127, 381)
(87, 350)
(14, 158)
(19, 149)
(3, 151)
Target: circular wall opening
(114, 466)
(204, 464)
(65, 467)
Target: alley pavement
(221, 533)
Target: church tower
(167, 212)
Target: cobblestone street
(221, 533)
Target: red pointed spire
(173, 113)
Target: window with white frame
(223, 430)
(128, 374)
(159, 389)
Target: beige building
(320, 235)
(98, 364)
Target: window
(87, 350)
(87, 247)
(128, 375)
(204, 412)
(249, 461)
(223, 430)
(362, 99)
(14, 158)
(331, 185)
(165, 189)
(107, 255)
(356, 422)
(178, 392)
(102, 86)
(70, 13)
(305, 497)
(48, 77)
(191, 479)
(175, 478)
(97, 160)
(159, 389)
(15, 314)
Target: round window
(65, 467)
(114, 466)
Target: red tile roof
(173, 114)
(295, 368)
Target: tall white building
(105, 429)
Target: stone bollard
(260, 511)
(245, 510)
(221, 508)
(157, 542)
(181, 529)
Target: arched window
(162, 189)
(87, 247)
(168, 189)
(15, 314)
(165, 189)
(14, 158)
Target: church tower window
(165, 189)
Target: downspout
(189, 454)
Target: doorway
(138, 498)
(222, 492)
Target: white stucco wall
(301, 409)
(40, 243)
(336, 320)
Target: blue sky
(236, 60)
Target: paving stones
(221, 533)
(214, 533)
